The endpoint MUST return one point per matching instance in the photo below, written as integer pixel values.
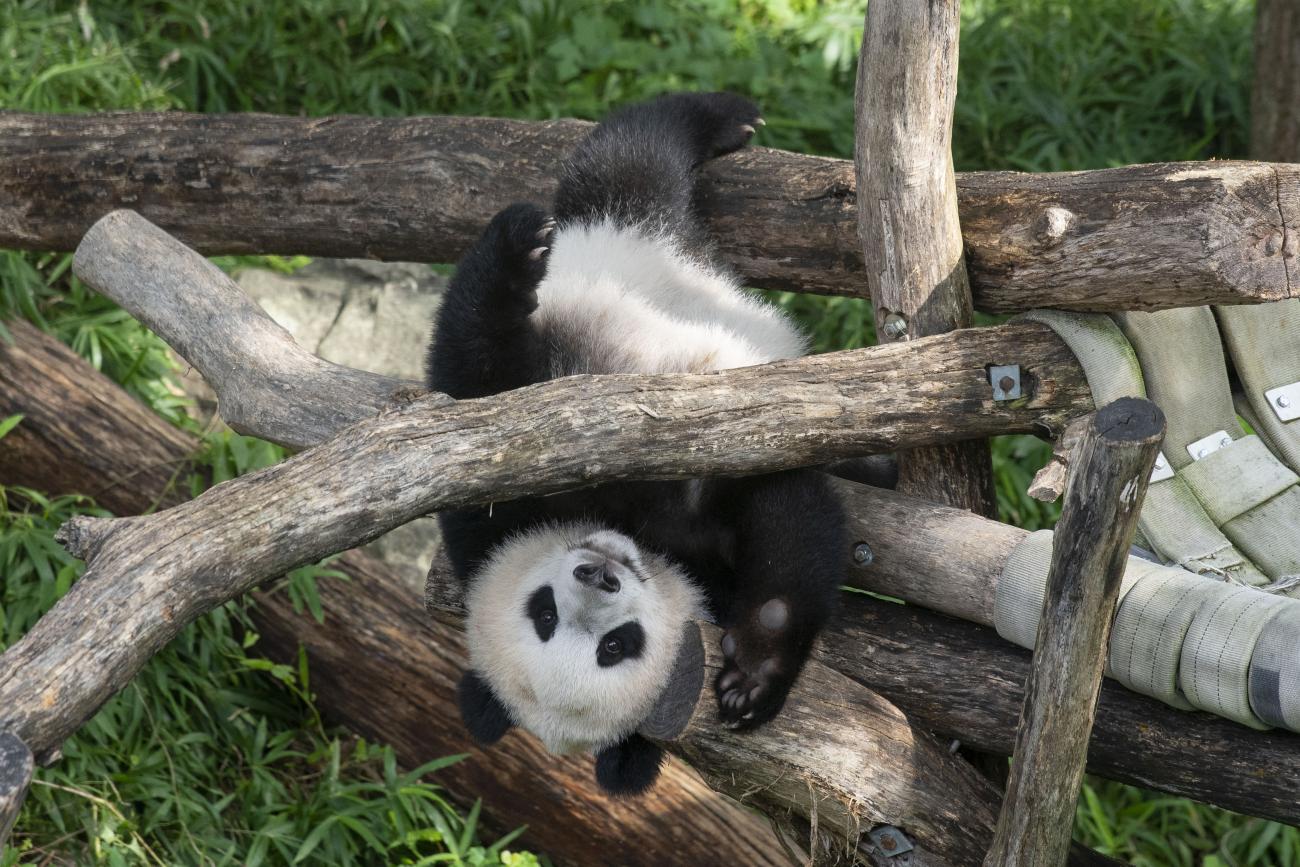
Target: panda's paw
(760, 668)
(520, 239)
(728, 119)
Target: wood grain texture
(963, 681)
(379, 664)
(872, 400)
(1275, 97)
(16, 769)
(1090, 545)
(73, 421)
(422, 189)
(907, 213)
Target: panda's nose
(597, 576)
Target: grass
(216, 756)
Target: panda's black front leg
(484, 342)
(789, 558)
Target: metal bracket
(1006, 381)
(892, 843)
(1206, 446)
(1161, 470)
(1285, 401)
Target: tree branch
(421, 189)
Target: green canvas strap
(1187, 640)
(1264, 343)
(1246, 492)
(1173, 522)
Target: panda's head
(573, 632)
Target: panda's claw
(537, 253)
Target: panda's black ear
(485, 716)
(629, 767)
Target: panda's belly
(618, 300)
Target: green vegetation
(214, 755)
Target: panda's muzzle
(596, 575)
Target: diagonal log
(421, 189)
(15, 776)
(958, 679)
(797, 412)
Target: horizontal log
(421, 189)
(963, 681)
(376, 650)
(791, 413)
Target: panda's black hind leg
(718, 123)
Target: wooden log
(1089, 552)
(1275, 97)
(907, 213)
(16, 768)
(64, 444)
(962, 681)
(870, 400)
(376, 650)
(958, 679)
(421, 189)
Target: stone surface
(375, 316)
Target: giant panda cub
(578, 602)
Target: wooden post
(16, 768)
(1275, 100)
(1090, 547)
(907, 212)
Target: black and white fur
(577, 601)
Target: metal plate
(1161, 470)
(1206, 446)
(1285, 401)
(1000, 372)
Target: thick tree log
(16, 768)
(64, 444)
(869, 400)
(1275, 98)
(421, 189)
(907, 213)
(1089, 552)
(376, 649)
(958, 679)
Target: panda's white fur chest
(630, 300)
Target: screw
(888, 843)
(1202, 453)
(1283, 401)
(895, 326)
(862, 554)
(1225, 442)
(1160, 463)
(1006, 383)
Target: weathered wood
(421, 189)
(1275, 97)
(1089, 552)
(957, 679)
(874, 399)
(16, 768)
(907, 212)
(378, 664)
(69, 445)
(944, 558)
(1049, 482)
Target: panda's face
(576, 631)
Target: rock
(376, 316)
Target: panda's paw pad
(750, 697)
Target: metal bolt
(895, 326)
(888, 843)
(1202, 453)
(1283, 401)
(1006, 383)
(862, 554)
(1160, 463)
(1225, 442)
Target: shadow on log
(1140, 237)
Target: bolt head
(1202, 453)
(1160, 463)
(1225, 442)
(1283, 401)
(862, 554)
(1006, 383)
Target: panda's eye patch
(541, 610)
(625, 642)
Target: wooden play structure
(864, 763)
